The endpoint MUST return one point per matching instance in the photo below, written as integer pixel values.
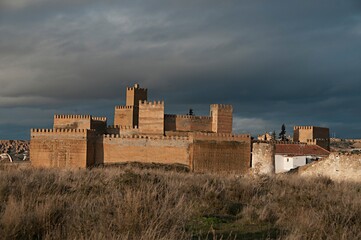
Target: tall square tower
(128, 115)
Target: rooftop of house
(300, 150)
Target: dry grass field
(142, 202)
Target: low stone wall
(338, 167)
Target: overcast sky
(293, 62)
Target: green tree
(282, 134)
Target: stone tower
(128, 115)
(312, 135)
(222, 118)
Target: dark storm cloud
(293, 62)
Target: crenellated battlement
(124, 107)
(134, 136)
(71, 116)
(222, 106)
(60, 130)
(221, 135)
(57, 131)
(302, 127)
(124, 127)
(186, 116)
(136, 87)
(103, 119)
(150, 103)
(289, 142)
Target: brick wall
(167, 150)
(151, 118)
(222, 118)
(312, 135)
(72, 121)
(136, 94)
(187, 123)
(220, 156)
(62, 148)
(124, 115)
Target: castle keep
(142, 132)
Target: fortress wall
(338, 167)
(151, 117)
(166, 150)
(222, 118)
(312, 135)
(99, 124)
(62, 148)
(124, 115)
(72, 121)
(122, 130)
(321, 133)
(187, 123)
(263, 158)
(221, 137)
(220, 156)
(136, 94)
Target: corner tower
(222, 118)
(128, 115)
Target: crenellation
(222, 106)
(124, 107)
(149, 103)
(71, 116)
(99, 119)
(186, 116)
(140, 133)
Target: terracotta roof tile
(301, 150)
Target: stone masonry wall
(263, 158)
(72, 121)
(187, 123)
(166, 150)
(123, 115)
(222, 118)
(151, 118)
(220, 156)
(339, 167)
(62, 148)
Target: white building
(290, 156)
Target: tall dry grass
(135, 203)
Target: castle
(142, 132)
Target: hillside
(134, 202)
(345, 145)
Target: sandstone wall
(339, 167)
(222, 118)
(151, 118)
(136, 94)
(263, 158)
(166, 150)
(124, 116)
(62, 148)
(220, 156)
(99, 124)
(187, 123)
(308, 133)
(72, 121)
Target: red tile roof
(300, 150)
